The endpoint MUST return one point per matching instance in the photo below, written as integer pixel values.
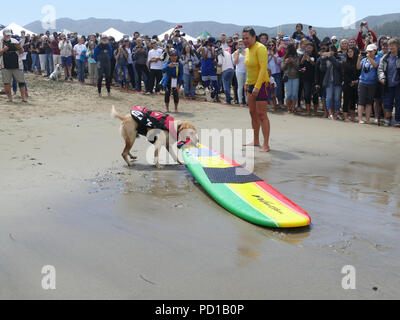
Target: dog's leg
(160, 141)
(126, 152)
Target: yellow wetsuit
(257, 65)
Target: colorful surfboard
(241, 193)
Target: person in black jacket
(320, 75)
(350, 84)
(308, 61)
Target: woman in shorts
(368, 82)
(257, 85)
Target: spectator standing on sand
(274, 64)
(35, 55)
(239, 57)
(56, 50)
(92, 64)
(389, 77)
(102, 55)
(11, 65)
(350, 84)
(130, 62)
(65, 47)
(189, 61)
(368, 82)
(121, 67)
(228, 71)
(290, 66)
(80, 58)
(172, 79)
(154, 60)
(140, 55)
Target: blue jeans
(392, 98)
(188, 82)
(227, 77)
(49, 64)
(35, 62)
(123, 71)
(292, 89)
(333, 93)
(278, 88)
(81, 70)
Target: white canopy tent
(16, 29)
(117, 35)
(187, 37)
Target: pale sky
(322, 13)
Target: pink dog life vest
(148, 119)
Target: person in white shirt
(226, 63)
(155, 65)
(80, 56)
(239, 57)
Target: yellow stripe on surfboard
(267, 205)
(213, 162)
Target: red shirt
(54, 47)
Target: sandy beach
(113, 232)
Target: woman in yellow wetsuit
(258, 87)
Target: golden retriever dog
(129, 131)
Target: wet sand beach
(113, 232)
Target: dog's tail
(115, 114)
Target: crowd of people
(305, 74)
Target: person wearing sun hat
(11, 64)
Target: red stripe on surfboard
(275, 193)
(229, 161)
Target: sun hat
(372, 47)
(286, 38)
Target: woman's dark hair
(250, 30)
(272, 41)
(263, 34)
(351, 61)
(290, 51)
(299, 24)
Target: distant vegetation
(389, 28)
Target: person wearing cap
(103, 54)
(368, 82)
(172, 79)
(11, 64)
(389, 77)
(155, 65)
(335, 42)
